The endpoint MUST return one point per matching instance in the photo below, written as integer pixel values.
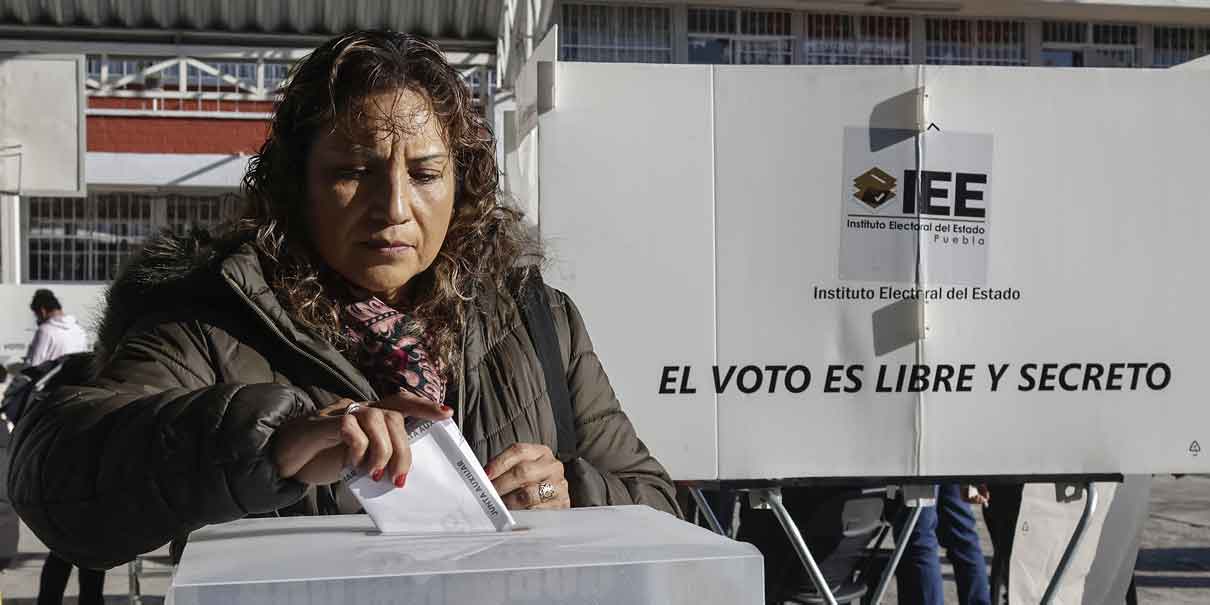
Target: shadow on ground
(1171, 582)
(109, 600)
(1173, 559)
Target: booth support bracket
(1065, 493)
(707, 511)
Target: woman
(375, 265)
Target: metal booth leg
(772, 497)
(1090, 507)
(704, 508)
(735, 515)
(133, 569)
(915, 497)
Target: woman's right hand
(315, 449)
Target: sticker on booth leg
(910, 220)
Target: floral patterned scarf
(391, 359)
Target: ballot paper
(447, 490)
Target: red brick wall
(151, 134)
(180, 105)
(175, 135)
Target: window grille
(121, 67)
(740, 36)
(1063, 32)
(243, 72)
(1116, 35)
(1176, 45)
(974, 42)
(1071, 44)
(276, 75)
(611, 33)
(88, 239)
(479, 77)
(857, 40)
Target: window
(243, 72)
(974, 42)
(1067, 44)
(629, 34)
(168, 77)
(479, 77)
(88, 239)
(186, 212)
(857, 40)
(741, 37)
(120, 67)
(1176, 45)
(92, 67)
(276, 75)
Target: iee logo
(934, 194)
(875, 187)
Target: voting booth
(909, 271)
(897, 274)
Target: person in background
(1000, 515)
(950, 524)
(58, 333)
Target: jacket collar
(172, 267)
(243, 272)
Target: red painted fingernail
(401, 479)
(447, 409)
(376, 475)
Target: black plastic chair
(838, 525)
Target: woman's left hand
(523, 472)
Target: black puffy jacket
(198, 364)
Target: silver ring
(353, 407)
(546, 492)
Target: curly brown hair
(328, 90)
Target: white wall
(206, 170)
(41, 124)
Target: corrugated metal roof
(471, 21)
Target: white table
(623, 555)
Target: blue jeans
(952, 525)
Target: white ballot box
(612, 555)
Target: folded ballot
(446, 492)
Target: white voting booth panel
(1097, 203)
(777, 168)
(630, 555)
(42, 125)
(635, 165)
(723, 216)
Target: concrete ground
(1173, 566)
(1174, 558)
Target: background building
(1093, 33)
(179, 92)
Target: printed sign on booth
(917, 210)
